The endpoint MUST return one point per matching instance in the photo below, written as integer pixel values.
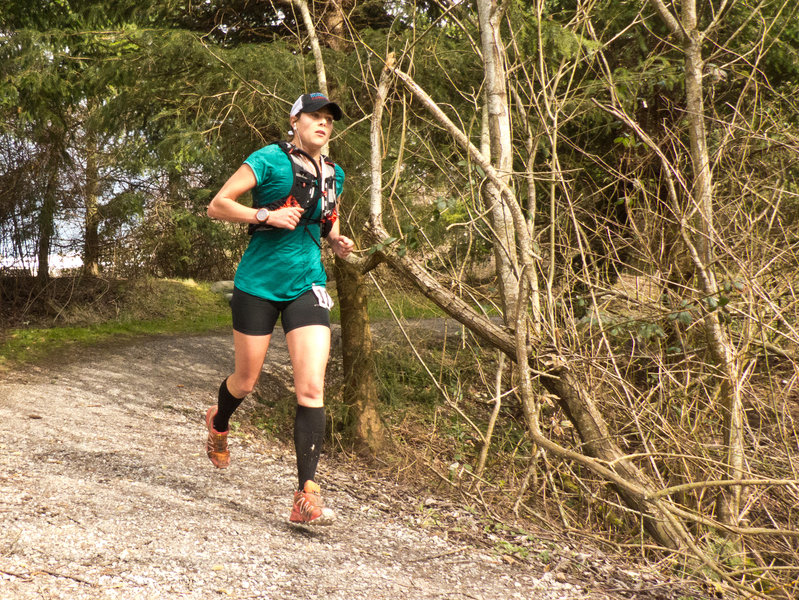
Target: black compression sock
(309, 434)
(226, 406)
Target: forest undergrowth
(458, 423)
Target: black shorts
(255, 316)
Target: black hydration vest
(306, 191)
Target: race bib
(322, 297)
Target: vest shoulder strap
(307, 189)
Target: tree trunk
(47, 220)
(321, 74)
(334, 25)
(360, 387)
(91, 238)
(723, 352)
(577, 403)
(500, 144)
(46, 231)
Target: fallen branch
(717, 483)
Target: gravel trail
(106, 493)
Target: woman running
(294, 191)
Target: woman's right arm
(224, 205)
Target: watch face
(261, 214)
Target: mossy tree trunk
(360, 386)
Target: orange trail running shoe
(216, 444)
(308, 507)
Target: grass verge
(406, 305)
(101, 311)
(130, 308)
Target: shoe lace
(217, 442)
(306, 503)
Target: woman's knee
(310, 393)
(242, 385)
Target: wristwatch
(262, 216)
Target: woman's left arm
(341, 244)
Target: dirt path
(105, 492)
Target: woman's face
(312, 129)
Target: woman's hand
(341, 245)
(286, 218)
